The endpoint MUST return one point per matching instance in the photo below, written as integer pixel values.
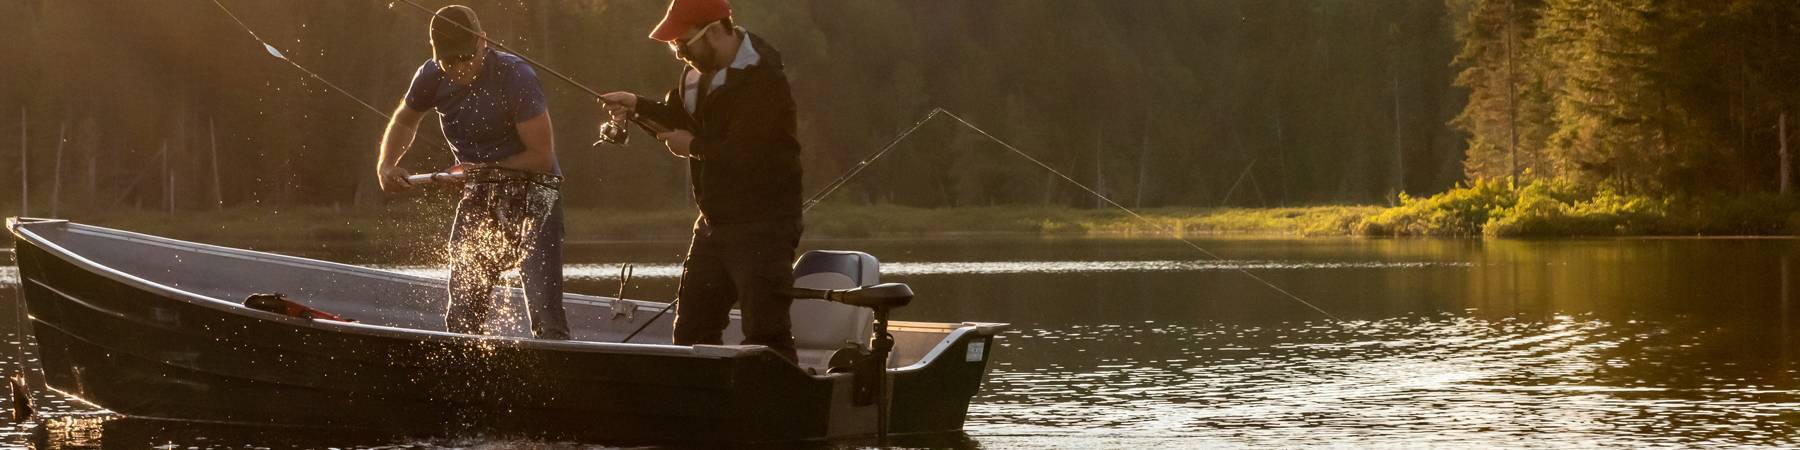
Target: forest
(1155, 103)
(168, 106)
(1649, 96)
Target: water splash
(494, 237)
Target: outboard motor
(825, 325)
(872, 304)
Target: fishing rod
(503, 46)
(611, 132)
(436, 177)
(858, 168)
(23, 403)
(817, 197)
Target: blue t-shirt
(479, 119)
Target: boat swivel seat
(822, 327)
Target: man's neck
(736, 42)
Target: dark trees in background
(1156, 103)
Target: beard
(700, 57)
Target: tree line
(1153, 103)
(1644, 96)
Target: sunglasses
(683, 47)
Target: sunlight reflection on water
(1444, 380)
(592, 272)
(1566, 344)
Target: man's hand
(678, 142)
(393, 179)
(619, 105)
(398, 136)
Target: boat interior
(384, 298)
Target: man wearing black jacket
(732, 117)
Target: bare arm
(394, 142)
(540, 146)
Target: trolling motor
(870, 373)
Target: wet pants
(499, 226)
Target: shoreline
(416, 222)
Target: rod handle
(435, 177)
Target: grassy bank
(1482, 209)
(1555, 208)
(413, 221)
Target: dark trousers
(500, 226)
(744, 263)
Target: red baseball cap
(688, 14)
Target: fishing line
(814, 200)
(838, 183)
(828, 189)
(278, 55)
(565, 78)
(501, 46)
(1134, 214)
(605, 131)
(23, 403)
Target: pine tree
(1506, 117)
(1609, 108)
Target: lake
(1122, 343)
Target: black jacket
(748, 165)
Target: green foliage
(1539, 209)
(1304, 221)
(1756, 214)
(424, 224)
(1461, 211)
(1548, 208)
(1561, 209)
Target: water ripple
(1443, 380)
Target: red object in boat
(279, 303)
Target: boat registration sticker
(975, 350)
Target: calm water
(1141, 343)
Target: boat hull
(156, 353)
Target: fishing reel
(614, 132)
(618, 131)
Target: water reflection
(1422, 380)
(1134, 343)
(610, 272)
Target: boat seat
(827, 326)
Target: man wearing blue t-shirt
(493, 113)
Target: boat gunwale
(22, 228)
